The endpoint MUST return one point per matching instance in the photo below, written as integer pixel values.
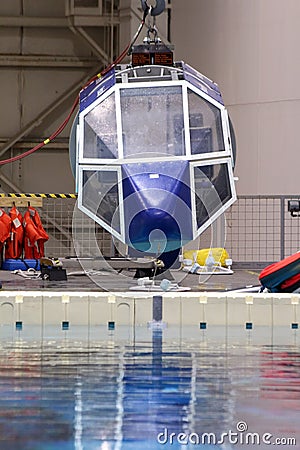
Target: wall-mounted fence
(57, 214)
(259, 229)
(58, 220)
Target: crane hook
(157, 10)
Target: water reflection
(107, 395)
(280, 371)
(157, 387)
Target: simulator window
(205, 124)
(100, 131)
(212, 190)
(100, 195)
(148, 117)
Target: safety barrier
(30, 196)
(259, 229)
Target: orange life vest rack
(21, 234)
(21, 202)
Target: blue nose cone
(154, 231)
(157, 205)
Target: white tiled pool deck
(106, 298)
(203, 309)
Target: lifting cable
(59, 130)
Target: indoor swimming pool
(149, 389)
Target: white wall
(251, 49)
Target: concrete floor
(99, 279)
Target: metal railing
(57, 217)
(259, 229)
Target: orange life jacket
(14, 245)
(5, 227)
(35, 235)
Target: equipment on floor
(150, 285)
(46, 269)
(20, 264)
(282, 276)
(52, 270)
(207, 261)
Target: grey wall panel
(10, 102)
(51, 8)
(47, 41)
(52, 123)
(10, 39)
(42, 87)
(46, 171)
(10, 7)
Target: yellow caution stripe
(30, 195)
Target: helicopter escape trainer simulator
(154, 154)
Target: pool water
(151, 389)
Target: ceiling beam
(27, 145)
(57, 22)
(45, 61)
(90, 42)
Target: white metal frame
(198, 160)
(186, 120)
(187, 139)
(197, 231)
(119, 124)
(82, 114)
(225, 130)
(103, 168)
(77, 159)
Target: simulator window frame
(221, 131)
(83, 158)
(116, 228)
(156, 101)
(211, 191)
(183, 125)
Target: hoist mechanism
(152, 150)
(156, 10)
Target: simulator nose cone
(157, 205)
(155, 231)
